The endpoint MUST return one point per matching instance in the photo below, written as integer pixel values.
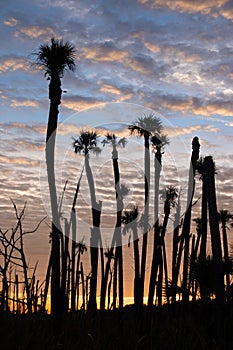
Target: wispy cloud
(11, 22)
(35, 32)
(12, 64)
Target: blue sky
(174, 57)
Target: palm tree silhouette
(130, 220)
(112, 139)
(187, 216)
(144, 127)
(158, 142)
(224, 217)
(54, 59)
(85, 143)
(209, 169)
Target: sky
(172, 58)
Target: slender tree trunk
(117, 240)
(95, 237)
(175, 249)
(187, 217)
(163, 246)
(204, 221)
(136, 266)
(55, 99)
(226, 254)
(47, 279)
(146, 217)
(77, 279)
(118, 224)
(73, 245)
(214, 229)
(155, 257)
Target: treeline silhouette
(194, 277)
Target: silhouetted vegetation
(189, 306)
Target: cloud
(35, 32)
(204, 7)
(107, 88)
(15, 103)
(152, 47)
(78, 103)
(11, 22)
(23, 161)
(12, 64)
(103, 53)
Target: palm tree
(145, 127)
(111, 139)
(84, 144)
(54, 59)
(176, 239)
(131, 222)
(170, 196)
(224, 216)
(158, 142)
(81, 249)
(209, 169)
(187, 216)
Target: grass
(196, 327)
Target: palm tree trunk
(146, 216)
(55, 99)
(73, 245)
(95, 237)
(226, 254)
(155, 258)
(136, 266)
(117, 240)
(175, 249)
(118, 224)
(204, 221)
(187, 217)
(214, 229)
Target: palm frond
(56, 57)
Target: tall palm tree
(85, 143)
(209, 169)
(224, 216)
(112, 139)
(131, 223)
(158, 142)
(169, 196)
(144, 127)
(54, 59)
(187, 216)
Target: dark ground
(195, 327)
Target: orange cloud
(11, 22)
(80, 104)
(103, 55)
(110, 89)
(19, 161)
(213, 109)
(35, 32)
(13, 64)
(23, 103)
(205, 6)
(138, 66)
(190, 105)
(152, 47)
